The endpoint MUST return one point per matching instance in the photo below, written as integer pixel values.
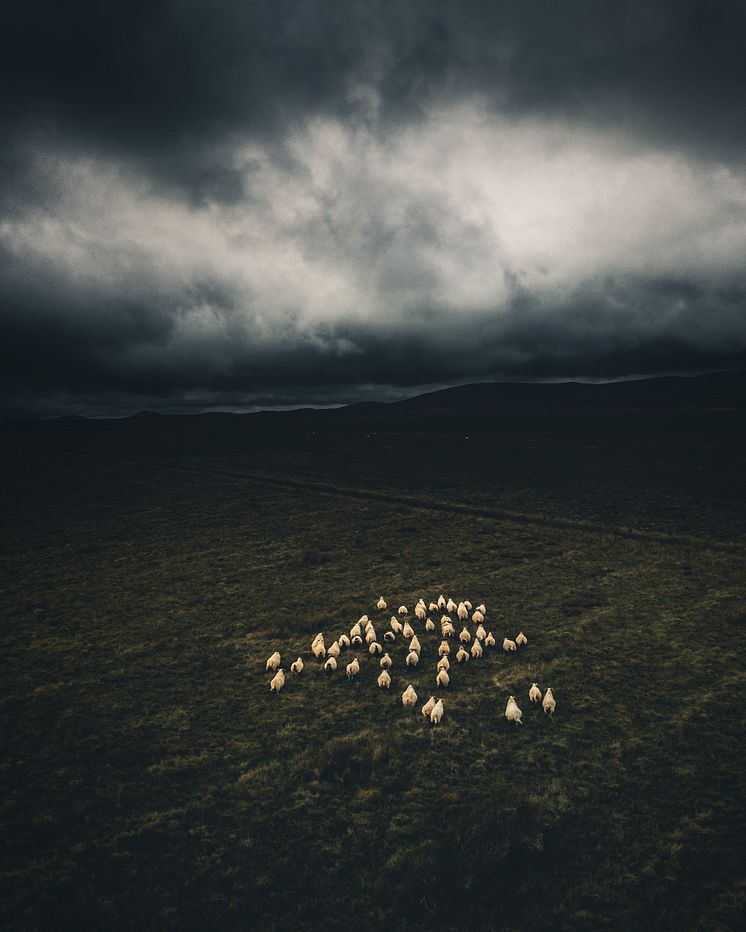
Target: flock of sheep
(364, 632)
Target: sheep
(370, 635)
(277, 681)
(462, 655)
(444, 664)
(357, 641)
(319, 637)
(442, 678)
(433, 607)
(274, 661)
(512, 712)
(481, 608)
(413, 658)
(441, 602)
(444, 649)
(534, 694)
(420, 612)
(374, 648)
(428, 707)
(334, 650)
(353, 668)
(447, 629)
(462, 611)
(385, 662)
(363, 620)
(548, 703)
(356, 631)
(489, 641)
(381, 603)
(467, 603)
(477, 617)
(396, 625)
(451, 606)
(318, 649)
(437, 713)
(403, 610)
(429, 625)
(480, 634)
(384, 680)
(407, 631)
(508, 645)
(297, 666)
(331, 664)
(464, 637)
(389, 636)
(343, 640)
(414, 644)
(476, 649)
(521, 639)
(409, 696)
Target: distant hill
(714, 390)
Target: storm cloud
(228, 204)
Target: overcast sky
(236, 203)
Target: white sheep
(363, 620)
(433, 607)
(534, 694)
(370, 635)
(441, 602)
(476, 649)
(356, 631)
(403, 610)
(447, 629)
(548, 703)
(512, 712)
(297, 666)
(396, 625)
(451, 606)
(521, 639)
(414, 644)
(462, 611)
(344, 641)
(467, 603)
(437, 713)
(508, 645)
(477, 617)
(389, 636)
(462, 655)
(318, 649)
(381, 603)
(353, 668)
(465, 636)
(442, 678)
(428, 707)
(489, 641)
(429, 625)
(420, 612)
(444, 664)
(384, 680)
(409, 696)
(277, 681)
(444, 649)
(481, 608)
(331, 664)
(413, 658)
(407, 631)
(274, 661)
(357, 641)
(375, 648)
(385, 661)
(480, 634)
(334, 650)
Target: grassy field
(150, 780)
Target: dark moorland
(151, 564)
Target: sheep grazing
(318, 649)
(464, 637)
(357, 641)
(414, 644)
(480, 634)
(481, 608)
(381, 603)
(428, 707)
(274, 661)
(356, 631)
(353, 668)
(429, 625)
(451, 606)
(335, 650)
(420, 612)
(467, 603)
(370, 635)
(331, 664)
(413, 658)
(447, 629)
(433, 607)
(508, 645)
(489, 641)
(437, 713)
(396, 625)
(534, 694)
(442, 678)
(403, 610)
(385, 662)
(297, 666)
(462, 655)
(462, 611)
(409, 696)
(277, 681)
(444, 649)
(384, 680)
(548, 703)
(521, 639)
(441, 602)
(477, 617)
(363, 620)
(476, 649)
(375, 648)
(444, 664)
(344, 641)
(512, 712)
(389, 636)
(407, 631)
